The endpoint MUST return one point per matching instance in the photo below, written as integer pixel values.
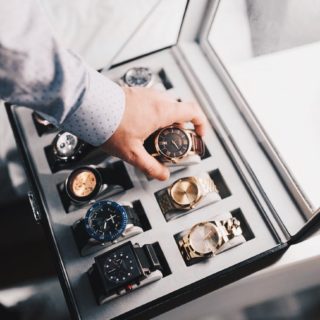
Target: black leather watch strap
(149, 143)
(132, 216)
(80, 234)
(165, 201)
(148, 257)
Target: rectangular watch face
(119, 267)
(271, 50)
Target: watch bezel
(192, 204)
(148, 84)
(93, 194)
(189, 243)
(173, 159)
(118, 232)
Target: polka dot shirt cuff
(100, 112)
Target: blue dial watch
(105, 221)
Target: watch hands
(208, 235)
(174, 143)
(112, 218)
(187, 194)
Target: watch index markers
(105, 221)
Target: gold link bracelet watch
(205, 239)
(185, 193)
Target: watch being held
(186, 193)
(105, 223)
(206, 239)
(87, 183)
(124, 269)
(174, 144)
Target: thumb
(141, 159)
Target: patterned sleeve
(38, 73)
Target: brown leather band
(198, 145)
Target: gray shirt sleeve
(39, 73)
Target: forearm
(38, 73)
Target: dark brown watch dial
(173, 142)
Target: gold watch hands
(208, 235)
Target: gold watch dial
(83, 183)
(185, 192)
(204, 238)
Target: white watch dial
(205, 238)
(66, 144)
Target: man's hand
(146, 111)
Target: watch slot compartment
(89, 153)
(165, 80)
(208, 199)
(166, 271)
(141, 214)
(139, 223)
(115, 180)
(41, 128)
(219, 181)
(206, 153)
(246, 230)
(105, 292)
(232, 243)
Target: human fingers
(180, 112)
(141, 159)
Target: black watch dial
(120, 267)
(173, 142)
(138, 77)
(105, 221)
(66, 144)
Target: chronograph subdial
(83, 184)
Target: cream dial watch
(205, 239)
(185, 193)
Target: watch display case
(253, 194)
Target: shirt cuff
(100, 112)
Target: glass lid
(271, 49)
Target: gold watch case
(186, 193)
(174, 159)
(203, 240)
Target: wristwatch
(138, 77)
(106, 222)
(205, 239)
(89, 182)
(66, 149)
(172, 143)
(123, 269)
(185, 193)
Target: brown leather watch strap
(198, 144)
